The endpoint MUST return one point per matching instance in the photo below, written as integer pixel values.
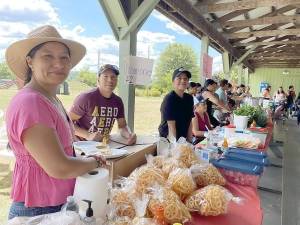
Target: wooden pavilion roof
(261, 33)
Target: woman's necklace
(53, 100)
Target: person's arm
(125, 133)
(215, 100)
(195, 128)
(44, 146)
(190, 133)
(209, 123)
(81, 132)
(172, 128)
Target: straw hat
(16, 53)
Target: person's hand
(225, 111)
(206, 134)
(95, 136)
(101, 161)
(131, 140)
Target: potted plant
(260, 117)
(243, 115)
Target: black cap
(199, 100)
(192, 84)
(105, 67)
(179, 71)
(209, 82)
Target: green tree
(88, 77)
(5, 72)
(174, 56)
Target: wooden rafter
(277, 66)
(297, 42)
(264, 20)
(231, 15)
(284, 38)
(274, 50)
(273, 13)
(244, 4)
(285, 58)
(192, 15)
(263, 33)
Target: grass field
(147, 118)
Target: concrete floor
(291, 176)
(282, 209)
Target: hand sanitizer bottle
(89, 218)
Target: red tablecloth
(268, 139)
(248, 213)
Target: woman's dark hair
(223, 82)
(31, 55)
(281, 92)
(192, 84)
(231, 102)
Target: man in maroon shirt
(94, 112)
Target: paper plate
(112, 153)
(94, 147)
(115, 153)
(85, 145)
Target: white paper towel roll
(93, 186)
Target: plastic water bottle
(70, 205)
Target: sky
(84, 21)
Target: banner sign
(138, 70)
(207, 66)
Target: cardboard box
(136, 158)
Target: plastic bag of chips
(184, 153)
(166, 208)
(211, 200)
(181, 182)
(206, 174)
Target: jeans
(19, 209)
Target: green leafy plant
(245, 110)
(260, 117)
(253, 113)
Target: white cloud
(27, 11)
(154, 37)
(170, 24)
(18, 18)
(147, 40)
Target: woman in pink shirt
(39, 130)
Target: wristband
(98, 160)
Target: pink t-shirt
(31, 184)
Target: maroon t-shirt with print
(97, 112)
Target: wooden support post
(226, 65)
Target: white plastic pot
(240, 122)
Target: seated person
(192, 89)
(201, 123)
(177, 109)
(94, 112)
